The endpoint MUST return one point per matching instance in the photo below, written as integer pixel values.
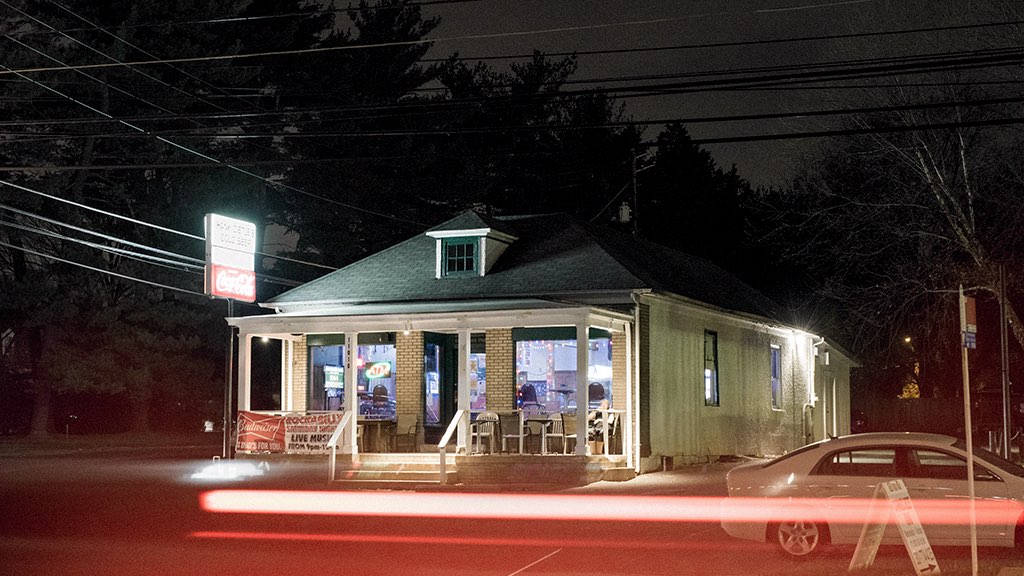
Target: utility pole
(1005, 363)
(636, 207)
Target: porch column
(626, 427)
(351, 402)
(462, 393)
(244, 371)
(582, 392)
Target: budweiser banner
(294, 434)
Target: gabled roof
(555, 257)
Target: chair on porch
(511, 426)
(557, 432)
(407, 437)
(483, 429)
(568, 431)
(614, 440)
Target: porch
(429, 370)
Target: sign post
(968, 332)
(230, 273)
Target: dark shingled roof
(554, 256)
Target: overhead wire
(207, 157)
(100, 270)
(144, 223)
(547, 127)
(496, 35)
(183, 260)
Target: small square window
(458, 256)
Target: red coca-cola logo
(234, 283)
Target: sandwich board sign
(891, 498)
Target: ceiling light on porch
(408, 329)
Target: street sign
(892, 499)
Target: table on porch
(379, 433)
(547, 423)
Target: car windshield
(994, 460)
(785, 457)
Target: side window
(859, 462)
(711, 368)
(776, 376)
(944, 466)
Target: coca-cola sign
(230, 258)
(231, 283)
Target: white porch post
(582, 391)
(462, 393)
(244, 371)
(626, 427)
(286, 375)
(351, 404)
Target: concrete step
(418, 475)
(394, 480)
(618, 474)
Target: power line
(712, 140)
(100, 270)
(246, 19)
(321, 49)
(547, 127)
(184, 259)
(186, 262)
(946, 61)
(147, 258)
(205, 156)
(148, 224)
(140, 49)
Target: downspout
(812, 398)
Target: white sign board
(894, 499)
(230, 258)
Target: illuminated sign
(334, 376)
(378, 370)
(230, 258)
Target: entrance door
(440, 379)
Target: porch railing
(442, 446)
(333, 443)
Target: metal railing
(442, 446)
(333, 444)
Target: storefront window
(478, 372)
(433, 364)
(546, 372)
(375, 376)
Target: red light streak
(590, 507)
(545, 542)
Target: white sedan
(819, 494)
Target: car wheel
(799, 539)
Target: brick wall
(619, 370)
(501, 371)
(409, 373)
(300, 376)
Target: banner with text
(291, 433)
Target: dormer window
(459, 256)
(467, 246)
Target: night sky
(627, 24)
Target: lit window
(710, 368)
(458, 256)
(776, 369)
